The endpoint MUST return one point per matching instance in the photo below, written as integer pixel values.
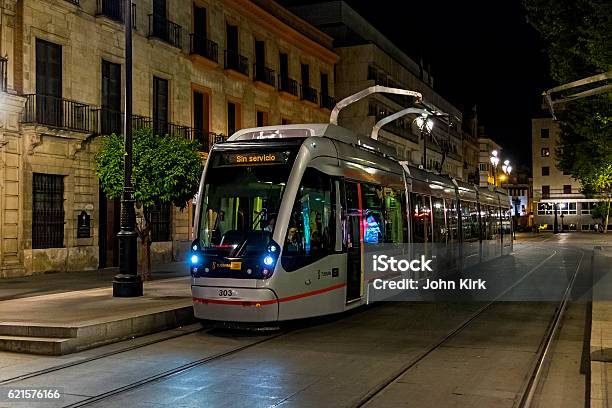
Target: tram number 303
(226, 292)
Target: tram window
(396, 228)
(469, 220)
(492, 222)
(373, 223)
(240, 202)
(451, 218)
(311, 230)
(420, 214)
(507, 222)
(439, 223)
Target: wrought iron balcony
(164, 29)
(236, 62)
(309, 94)
(3, 74)
(60, 112)
(201, 45)
(286, 84)
(115, 9)
(327, 102)
(263, 74)
(206, 140)
(111, 121)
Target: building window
(160, 222)
(545, 191)
(233, 117)
(484, 167)
(544, 133)
(545, 171)
(47, 211)
(567, 189)
(545, 152)
(49, 109)
(201, 106)
(262, 118)
(111, 98)
(160, 106)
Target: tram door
(354, 242)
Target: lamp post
(127, 283)
(494, 162)
(556, 222)
(425, 125)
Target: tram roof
(313, 130)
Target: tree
(578, 34)
(166, 169)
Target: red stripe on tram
(267, 302)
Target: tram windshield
(242, 196)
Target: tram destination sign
(255, 158)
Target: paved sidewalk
(601, 323)
(46, 283)
(63, 313)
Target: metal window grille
(48, 211)
(160, 220)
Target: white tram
(284, 213)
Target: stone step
(36, 330)
(39, 338)
(36, 345)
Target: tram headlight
(195, 259)
(268, 260)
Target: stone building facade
(202, 69)
(553, 191)
(368, 58)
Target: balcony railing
(263, 74)
(286, 84)
(115, 9)
(201, 45)
(327, 102)
(309, 94)
(111, 121)
(59, 112)
(164, 29)
(3, 74)
(236, 62)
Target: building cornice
(271, 23)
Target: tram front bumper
(234, 304)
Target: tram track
(526, 395)
(79, 362)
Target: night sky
(481, 52)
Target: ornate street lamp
(494, 161)
(127, 283)
(426, 126)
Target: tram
(284, 214)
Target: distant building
(553, 189)
(489, 176)
(519, 187)
(368, 58)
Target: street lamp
(127, 283)
(494, 161)
(426, 126)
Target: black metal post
(556, 222)
(127, 283)
(424, 136)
